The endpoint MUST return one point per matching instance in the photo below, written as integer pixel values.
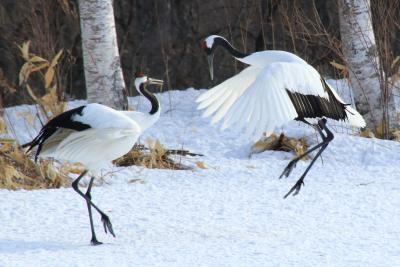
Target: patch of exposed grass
(19, 171)
(280, 143)
(154, 157)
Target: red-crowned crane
(276, 88)
(94, 135)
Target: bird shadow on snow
(17, 246)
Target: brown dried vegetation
(155, 157)
(280, 143)
(19, 171)
(50, 103)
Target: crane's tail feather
(354, 118)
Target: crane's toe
(296, 188)
(95, 242)
(288, 169)
(107, 224)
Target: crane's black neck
(155, 105)
(225, 44)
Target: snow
(230, 214)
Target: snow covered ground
(230, 214)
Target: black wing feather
(312, 106)
(64, 120)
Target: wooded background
(163, 38)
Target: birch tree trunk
(360, 51)
(103, 73)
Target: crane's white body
(256, 98)
(95, 134)
(111, 135)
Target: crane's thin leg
(292, 164)
(104, 218)
(324, 144)
(94, 240)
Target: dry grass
(154, 157)
(394, 134)
(50, 104)
(18, 171)
(280, 143)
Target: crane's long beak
(155, 81)
(210, 59)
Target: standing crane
(276, 88)
(94, 135)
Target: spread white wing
(257, 98)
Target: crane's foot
(95, 242)
(107, 224)
(296, 188)
(289, 168)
